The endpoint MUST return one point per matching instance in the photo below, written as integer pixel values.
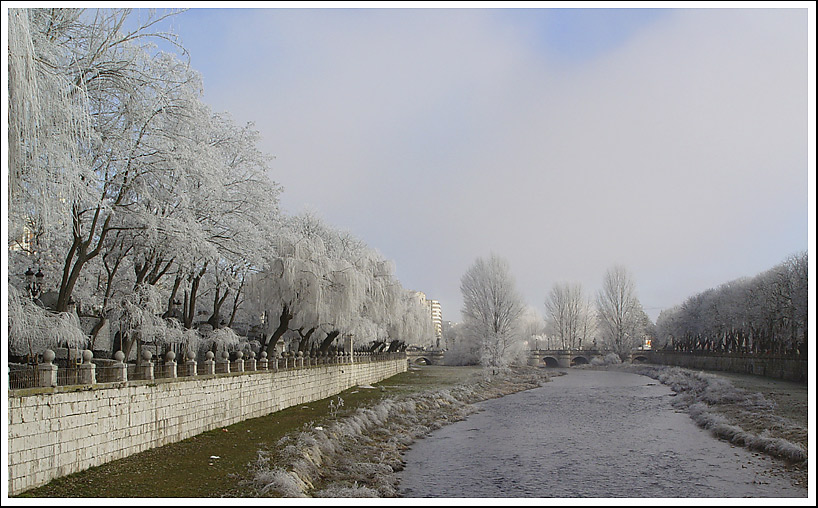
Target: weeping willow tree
(65, 67)
(49, 119)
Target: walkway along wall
(791, 369)
(53, 432)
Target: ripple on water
(585, 434)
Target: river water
(589, 433)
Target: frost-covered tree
(463, 348)
(622, 321)
(766, 313)
(113, 96)
(491, 311)
(532, 326)
(569, 316)
(123, 183)
(410, 322)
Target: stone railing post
(120, 368)
(47, 371)
(262, 363)
(209, 364)
(223, 366)
(239, 362)
(146, 368)
(348, 343)
(190, 364)
(276, 356)
(300, 359)
(170, 364)
(251, 361)
(88, 371)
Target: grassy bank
(188, 468)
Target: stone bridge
(562, 357)
(546, 357)
(429, 357)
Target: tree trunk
(218, 301)
(283, 324)
(304, 343)
(327, 342)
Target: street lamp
(34, 282)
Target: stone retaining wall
(791, 369)
(53, 432)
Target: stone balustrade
(117, 371)
(55, 430)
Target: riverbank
(358, 455)
(350, 445)
(764, 415)
(223, 462)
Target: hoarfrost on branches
(491, 311)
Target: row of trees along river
(150, 219)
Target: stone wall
(53, 432)
(790, 369)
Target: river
(586, 434)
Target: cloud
(441, 135)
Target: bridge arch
(422, 361)
(639, 359)
(550, 361)
(579, 360)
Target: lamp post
(34, 282)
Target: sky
(673, 141)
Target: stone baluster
(251, 361)
(262, 363)
(209, 364)
(47, 371)
(170, 364)
(276, 356)
(348, 344)
(146, 367)
(223, 366)
(190, 364)
(300, 359)
(239, 362)
(88, 371)
(120, 368)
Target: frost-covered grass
(184, 469)
(358, 454)
(715, 404)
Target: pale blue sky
(672, 141)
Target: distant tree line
(498, 330)
(766, 314)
